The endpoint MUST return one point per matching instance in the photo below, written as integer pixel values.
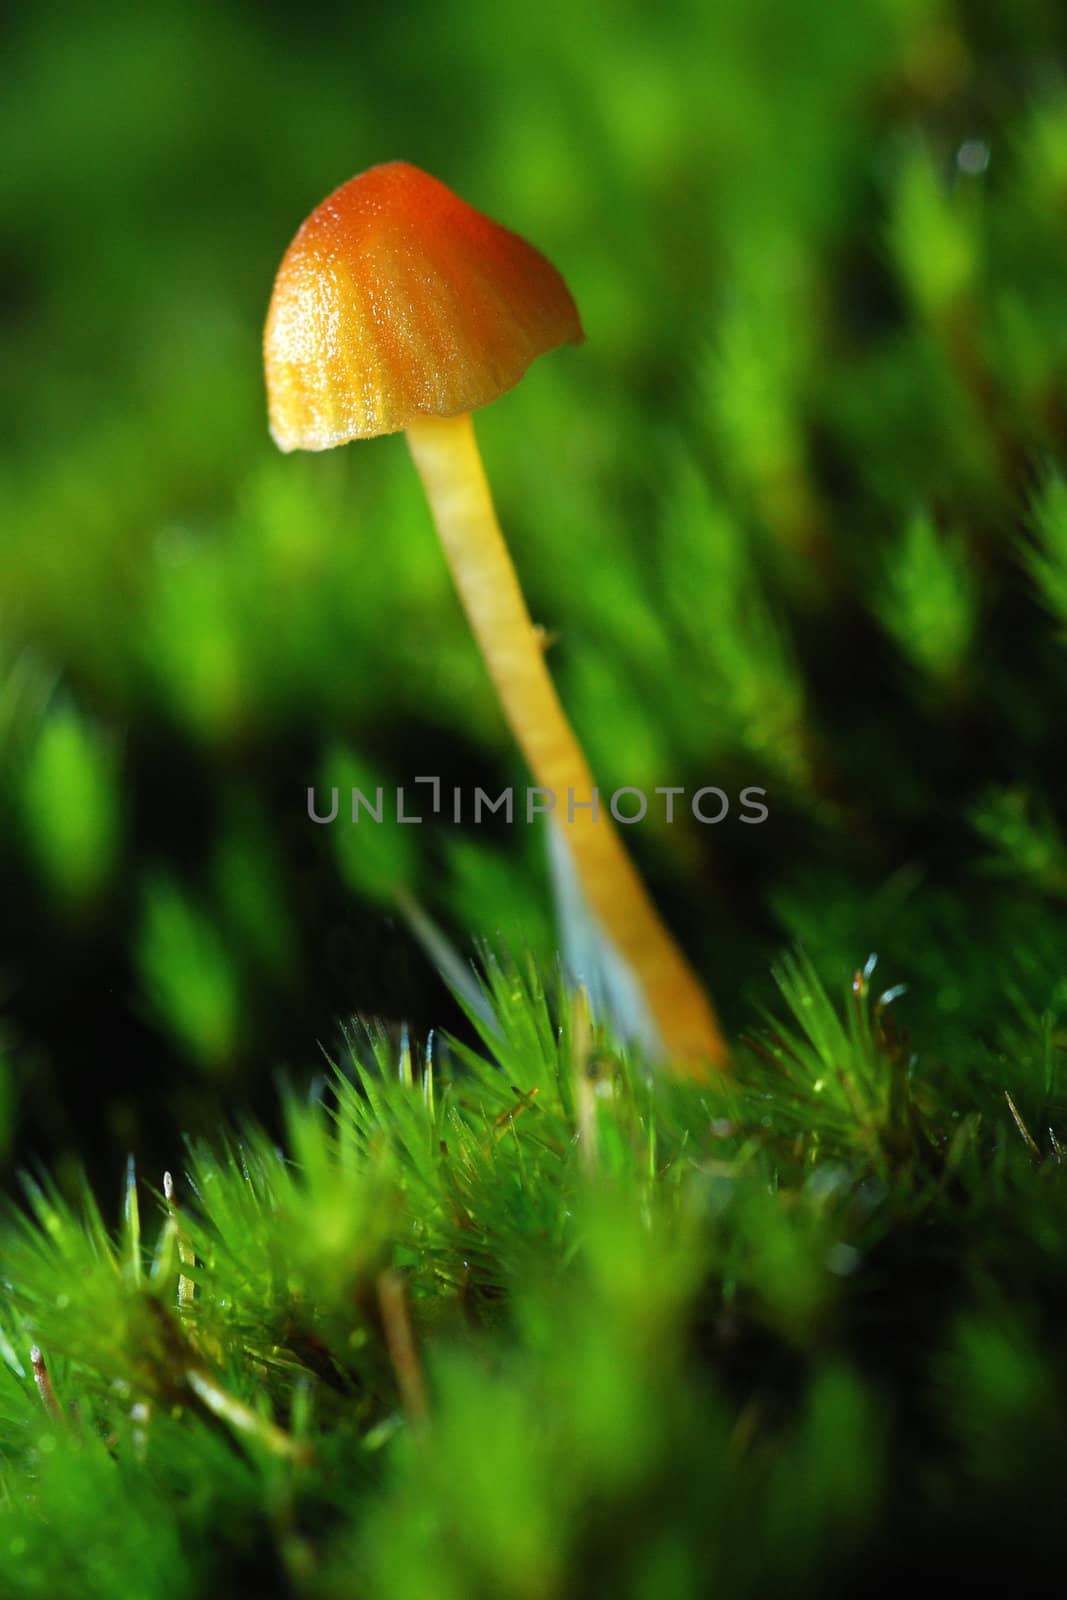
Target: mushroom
(398, 307)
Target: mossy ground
(525, 1321)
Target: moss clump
(521, 1321)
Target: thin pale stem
(447, 457)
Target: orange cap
(397, 300)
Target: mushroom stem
(448, 461)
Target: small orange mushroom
(399, 307)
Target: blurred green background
(792, 512)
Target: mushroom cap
(397, 300)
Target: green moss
(523, 1322)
